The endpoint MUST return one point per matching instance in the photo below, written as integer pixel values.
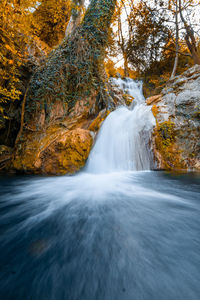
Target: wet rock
(56, 150)
(96, 124)
(153, 99)
(68, 153)
(179, 107)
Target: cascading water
(107, 233)
(123, 141)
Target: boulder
(55, 151)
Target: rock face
(59, 149)
(176, 138)
(62, 145)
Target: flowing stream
(115, 231)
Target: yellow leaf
(10, 49)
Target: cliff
(176, 137)
(63, 144)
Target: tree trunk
(192, 47)
(126, 70)
(177, 42)
(122, 46)
(74, 71)
(76, 16)
(189, 37)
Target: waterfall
(123, 140)
(103, 234)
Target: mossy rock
(166, 150)
(58, 151)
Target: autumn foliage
(27, 28)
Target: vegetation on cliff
(70, 83)
(28, 29)
(75, 69)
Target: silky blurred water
(123, 142)
(114, 236)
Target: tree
(177, 41)
(158, 26)
(121, 40)
(14, 36)
(21, 22)
(74, 71)
(189, 36)
(50, 19)
(77, 9)
(148, 33)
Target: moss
(76, 151)
(96, 124)
(29, 151)
(196, 113)
(57, 151)
(128, 99)
(75, 69)
(155, 110)
(165, 140)
(166, 133)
